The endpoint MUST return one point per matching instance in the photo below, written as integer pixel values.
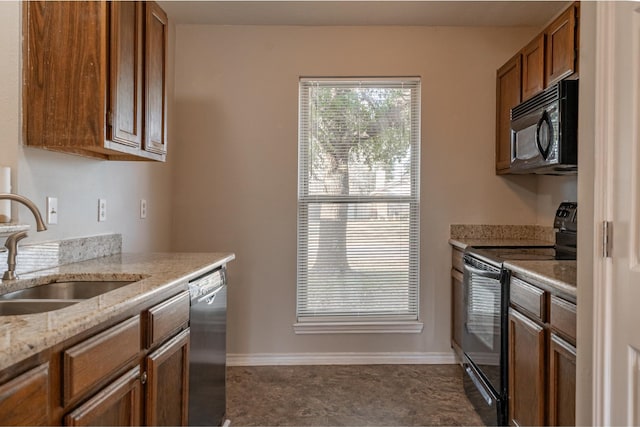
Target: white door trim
(603, 209)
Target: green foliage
(368, 126)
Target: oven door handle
(496, 275)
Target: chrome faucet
(12, 241)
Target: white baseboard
(272, 359)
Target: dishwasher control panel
(208, 282)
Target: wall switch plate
(102, 210)
(52, 210)
(143, 208)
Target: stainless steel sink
(69, 290)
(19, 307)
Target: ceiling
(355, 12)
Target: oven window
(483, 309)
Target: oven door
(482, 339)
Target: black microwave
(544, 131)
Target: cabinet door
(526, 371)
(167, 399)
(125, 100)
(533, 68)
(64, 74)
(562, 383)
(24, 400)
(561, 47)
(457, 311)
(507, 96)
(155, 76)
(118, 404)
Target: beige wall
(551, 191)
(77, 182)
(236, 124)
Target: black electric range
(486, 305)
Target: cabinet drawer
(456, 259)
(563, 318)
(167, 318)
(96, 359)
(528, 298)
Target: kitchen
(226, 137)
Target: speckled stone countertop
(463, 235)
(552, 275)
(510, 232)
(26, 335)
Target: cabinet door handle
(143, 377)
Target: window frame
(409, 323)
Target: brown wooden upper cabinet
(533, 67)
(94, 78)
(562, 46)
(551, 56)
(508, 95)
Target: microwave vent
(545, 97)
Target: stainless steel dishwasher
(207, 356)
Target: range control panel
(566, 217)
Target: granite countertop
(554, 275)
(26, 335)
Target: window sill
(388, 327)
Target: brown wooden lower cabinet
(119, 404)
(542, 356)
(25, 399)
(109, 377)
(526, 371)
(562, 382)
(167, 393)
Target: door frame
(604, 148)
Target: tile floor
(365, 395)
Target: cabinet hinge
(110, 118)
(607, 238)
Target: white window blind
(358, 199)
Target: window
(358, 201)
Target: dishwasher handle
(495, 275)
(209, 297)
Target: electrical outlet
(143, 208)
(102, 210)
(52, 210)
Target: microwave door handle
(483, 273)
(544, 120)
